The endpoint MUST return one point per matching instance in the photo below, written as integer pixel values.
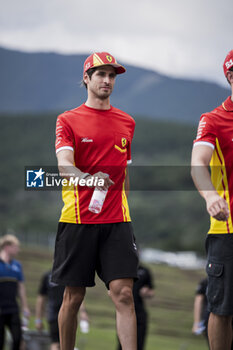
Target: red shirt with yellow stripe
(216, 130)
(101, 141)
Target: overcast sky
(182, 38)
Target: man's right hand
(217, 206)
(107, 181)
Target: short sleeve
(129, 157)
(129, 160)
(148, 279)
(43, 288)
(206, 132)
(21, 275)
(201, 288)
(64, 135)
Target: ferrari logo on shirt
(109, 58)
(123, 141)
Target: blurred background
(173, 53)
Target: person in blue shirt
(11, 287)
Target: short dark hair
(89, 73)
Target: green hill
(45, 81)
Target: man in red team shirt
(214, 146)
(94, 140)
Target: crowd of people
(93, 141)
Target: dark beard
(103, 96)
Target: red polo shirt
(101, 141)
(216, 130)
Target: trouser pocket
(215, 289)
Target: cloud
(179, 38)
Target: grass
(170, 311)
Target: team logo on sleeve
(201, 127)
(123, 141)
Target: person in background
(50, 295)
(200, 310)
(214, 147)
(11, 287)
(143, 289)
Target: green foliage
(166, 210)
(162, 142)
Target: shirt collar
(228, 105)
